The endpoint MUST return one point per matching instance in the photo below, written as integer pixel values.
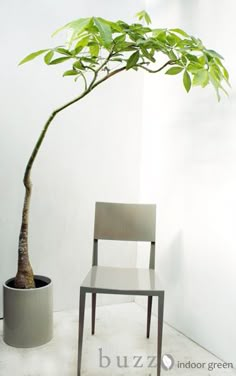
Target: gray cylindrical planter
(28, 313)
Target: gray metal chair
(130, 222)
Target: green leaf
(114, 25)
(123, 25)
(225, 73)
(82, 42)
(201, 78)
(180, 31)
(94, 50)
(77, 50)
(48, 57)
(32, 56)
(120, 39)
(132, 61)
(144, 15)
(174, 70)
(147, 54)
(77, 26)
(142, 41)
(63, 51)
(187, 81)
(78, 65)
(134, 36)
(213, 53)
(147, 18)
(203, 60)
(215, 84)
(104, 30)
(173, 39)
(128, 46)
(157, 32)
(172, 55)
(192, 58)
(90, 60)
(70, 73)
(183, 60)
(194, 67)
(186, 45)
(59, 60)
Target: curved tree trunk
(24, 278)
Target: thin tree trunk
(25, 278)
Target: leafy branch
(96, 44)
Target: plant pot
(28, 313)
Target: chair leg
(149, 313)
(93, 311)
(81, 328)
(160, 330)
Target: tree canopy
(97, 48)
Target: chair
(129, 222)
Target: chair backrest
(130, 222)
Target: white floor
(120, 332)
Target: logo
(167, 362)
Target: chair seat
(122, 280)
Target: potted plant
(97, 50)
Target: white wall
(91, 152)
(188, 169)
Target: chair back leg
(149, 314)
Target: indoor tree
(99, 49)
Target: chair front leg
(160, 330)
(93, 311)
(149, 314)
(81, 328)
